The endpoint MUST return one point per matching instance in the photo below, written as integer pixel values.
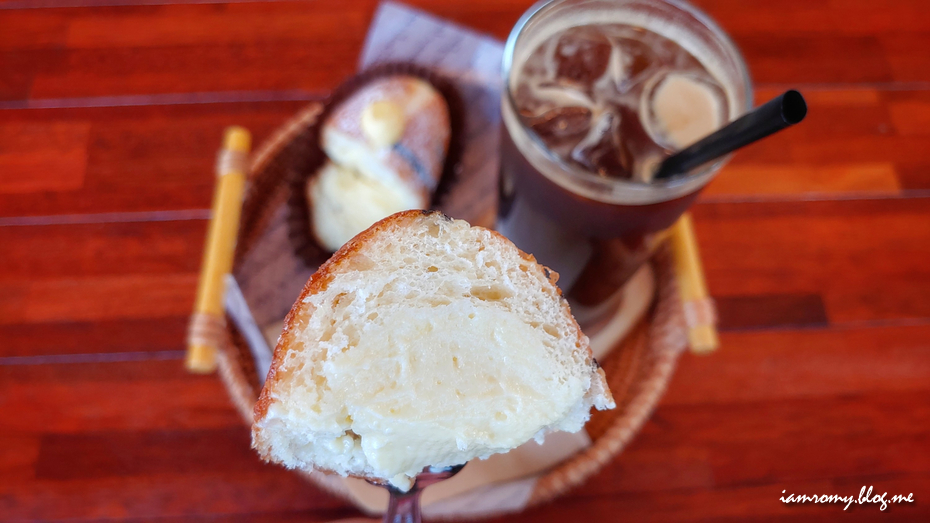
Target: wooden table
(816, 245)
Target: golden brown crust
(426, 132)
(318, 283)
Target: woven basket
(638, 369)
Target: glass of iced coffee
(597, 93)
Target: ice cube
(601, 151)
(607, 87)
(527, 103)
(538, 64)
(581, 55)
(680, 109)
(562, 123)
(561, 95)
(646, 168)
(639, 62)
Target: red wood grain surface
(816, 245)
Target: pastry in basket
(424, 342)
(386, 145)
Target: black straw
(773, 116)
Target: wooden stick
(208, 320)
(699, 307)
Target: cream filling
(414, 392)
(369, 164)
(346, 203)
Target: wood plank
(192, 24)
(855, 206)
(782, 57)
(101, 249)
(857, 149)
(800, 160)
(296, 45)
(42, 157)
(774, 310)
(717, 429)
(836, 362)
(915, 176)
(125, 276)
(143, 157)
(840, 112)
(176, 22)
(102, 453)
(644, 470)
(905, 53)
(178, 48)
(340, 515)
(853, 140)
(99, 298)
(794, 178)
(315, 67)
(111, 396)
(95, 455)
(807, 434)
(890, 296)
(171, 495)
(88, 337)
(18, 454)
(754, 503)
(861, 259)
(779, 444)
(33, 28)
(828, 17)
(20, 68)
(911, 117)
(170, 151)
(864, 258)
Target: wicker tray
(638, 369)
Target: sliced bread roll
(395, 131)
(423, 342)
(346, 203)
(393, 134)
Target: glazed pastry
(390, 136)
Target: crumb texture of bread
(424, 342)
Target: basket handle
(207, 326)
(699, 310)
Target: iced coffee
(597, 94)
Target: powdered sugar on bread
(423, 342)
